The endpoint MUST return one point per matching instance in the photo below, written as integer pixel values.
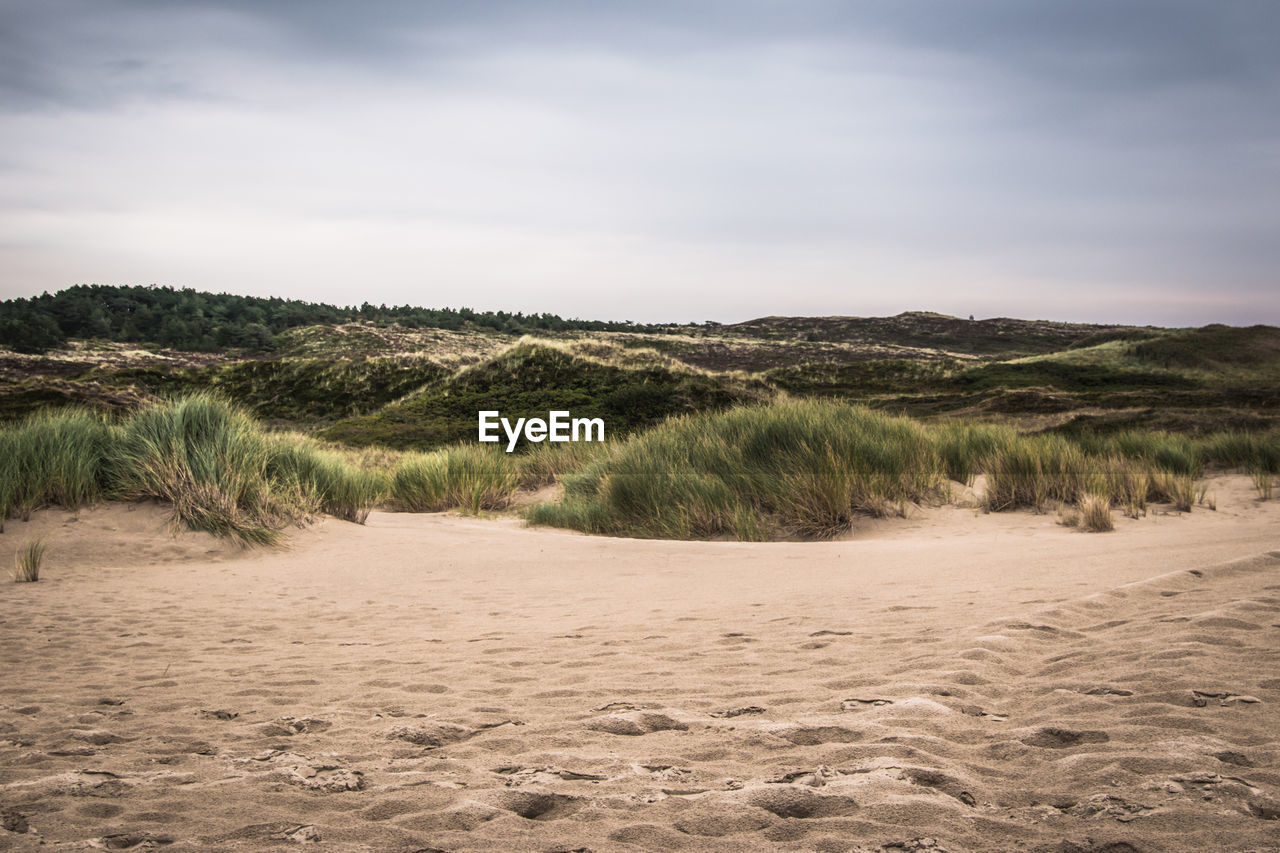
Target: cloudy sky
(1096, 160)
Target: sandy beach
(955, 681)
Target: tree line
(199, 321)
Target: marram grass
(206, 458)
(472, 478)
(53, 459)
(1095, 514)
(800, 469)
(806, 469)
(809, 469)
(27, 560)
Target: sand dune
(956, 681)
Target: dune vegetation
(810, 468)
(248, 416)
(784, 469)
(27, 561)
(206, 458)
(629, 389)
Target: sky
(1085, 160)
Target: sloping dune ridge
(951, 682)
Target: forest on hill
(198, 321)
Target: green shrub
(1128, 483)
(544, 463)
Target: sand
(954, 681)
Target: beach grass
(1263, 483)
(471, 478)
(27, 560)
(53, 458)
(785, 469)
(799, 469)
(208, 459)
(1092, 515)
(809, 469)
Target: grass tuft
(323, 479)
(1177, 489)
(1095, 513)
(472, 478)
(803, 469)
(208, 459)
(1263, 482)
(27, 560)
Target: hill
(627, 390)
(1001, 336)
(413, 377)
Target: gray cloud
(1096, 159)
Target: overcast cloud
(1098, 160)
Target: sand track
(956, 682)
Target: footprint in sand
(1200, 698)
(817, 735)
(279, 831)
(636, 723)
(519, 775)
(1239, 759)
(219, 714)
(129, 840)
(325, 778)
(1055, 738)
(738, 712)
(536, 806)
(431, 735)
(804, 803)
(937, 780)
